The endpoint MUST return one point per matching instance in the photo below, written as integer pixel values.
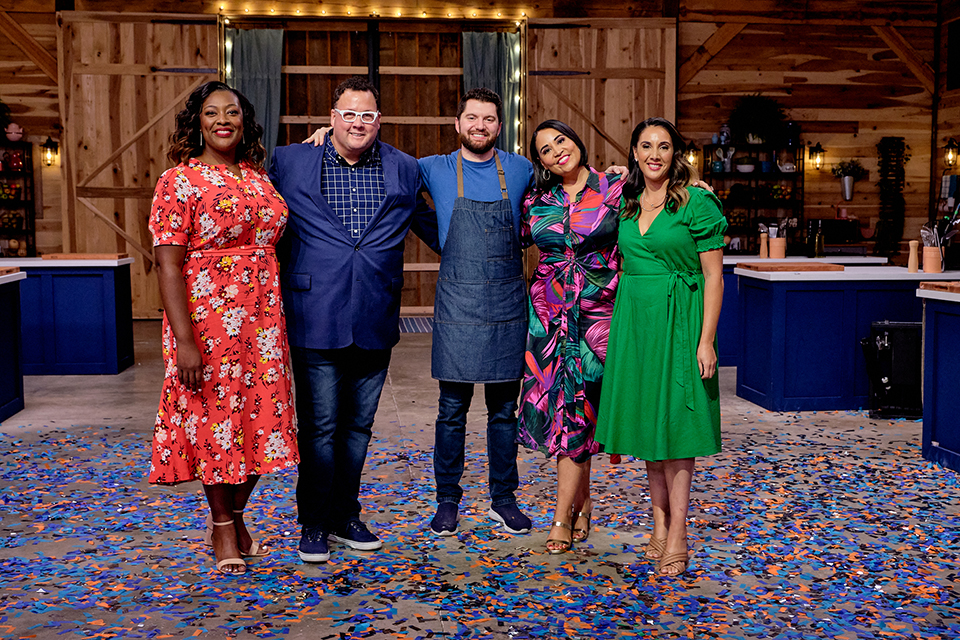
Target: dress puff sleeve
(704, 217)
(171, 221)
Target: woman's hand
(707, 360)
(703, 185)
(618, 169)
(318, 136)
(189, 365)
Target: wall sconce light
(50, 149)
(950, 153)
(692, 154)
(816, 156)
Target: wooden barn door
(601, 77)
(123, 79)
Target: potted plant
(849, 171)
(758, 119)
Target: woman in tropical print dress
(226, 413)
(571, 215)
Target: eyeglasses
(366, 117)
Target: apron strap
(500, 175)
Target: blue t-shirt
(439, 174)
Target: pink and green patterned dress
(571, 303)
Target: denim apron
(480, 310)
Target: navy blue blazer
(336, 291)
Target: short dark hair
(481, 94)
(187, 142)
(355, 83)
(545, 181)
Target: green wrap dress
(654, 405)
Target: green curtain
(254, 58)
(492, 60)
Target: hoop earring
(544, 174)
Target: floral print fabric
(241, 421)
(571, 303)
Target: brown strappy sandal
(658, 546)
(677, 558)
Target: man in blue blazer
(351, 203)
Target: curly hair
(682, 173)
(545, 181)
(186, 140)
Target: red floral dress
(241, 421)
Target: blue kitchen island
(800, 332)
(11, 360)
(941, 377)
(76, 315)
(728, 329)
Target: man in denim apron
(480, 322)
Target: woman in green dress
(660, 398)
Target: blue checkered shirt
(354, 192)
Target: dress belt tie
(679, 312)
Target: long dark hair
(185, 141)
(682, 173)
(546, 180)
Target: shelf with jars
(757, 184)
(17, 208)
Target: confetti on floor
(814, 525)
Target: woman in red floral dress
(226, 411)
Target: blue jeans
(501, 399)
(337, 393)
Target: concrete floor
(825, 525)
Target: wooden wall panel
(948, 105)
(845, 87)
(601, 78)
(110, 97)
(29, 92)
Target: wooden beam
(140, 193)
(133, 242)
(908, 55)
(705, 52)
(324, 119)
(136, 136)
(138, 70)
(567, 101)
(28, 44)
(602, 74)
(384, 71)
(314, 69)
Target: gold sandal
(564, 544)
(580, 534)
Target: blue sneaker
(510, 516)
(356, 536)
(313, 544)
(445, 523)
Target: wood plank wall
(844, 86)
(782, 51)
(948, 105)
(601, 77)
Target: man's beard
(476, 147)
